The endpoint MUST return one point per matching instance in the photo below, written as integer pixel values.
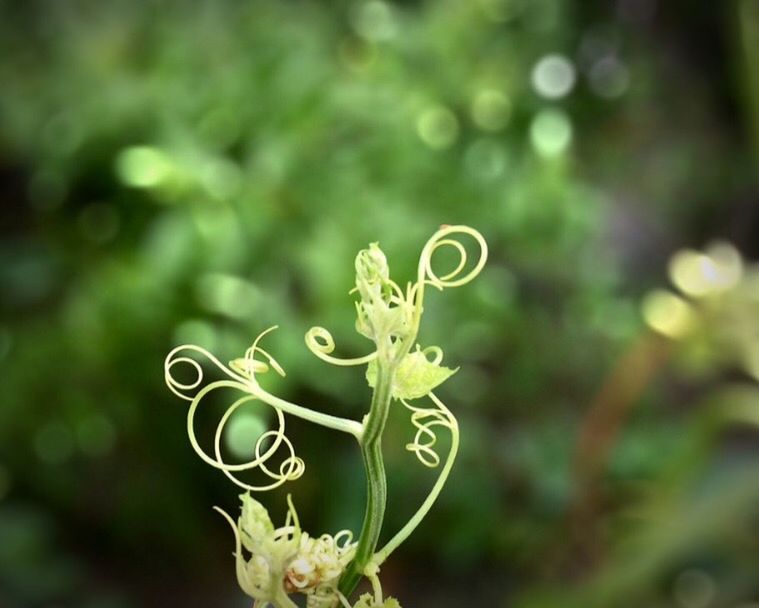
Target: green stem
(331, 422)
(282, 600)
(371, 451)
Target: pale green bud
(319, 562)
(286, 560)
(382, 311)
(371, 266)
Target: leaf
(255, 524)
(415, 377)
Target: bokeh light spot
(143, 166)
(553, 76)
(221, 178)
(491, 110)
(227, 294)
(697, 274)
(357, 54)
(597, 43)
(609, 77)
(485, 159)
(195, 331)
(243, 430)
(667, 314)
(438, 127)
(374, 21)
(550, 132)
(694, 589)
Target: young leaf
(415, 377)
(255, 524)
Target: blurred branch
(691, 504)
(599, 430)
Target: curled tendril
(242, 374)
(456, 277)
(438, 240)
(249, 365)
(321, 343)
(291, 468)
(344, 540)
(425, 419)
(437, 354)
(180, 356)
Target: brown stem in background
(597, 437)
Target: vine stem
(282, 600)
(371, 451)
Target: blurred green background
(197, 171)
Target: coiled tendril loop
(321, 343)
(242, 373)
(425, 419)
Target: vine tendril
(321, 343)
(389, 316)
(428, 275)
(291, 468)
(438, 414)
(454, 278)
(425, 419)
(241, 374)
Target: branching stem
(371, 451)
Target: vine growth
(273, 563)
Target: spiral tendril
(437, 353)
(242, 378)
(427, 274)
(425, 419)
(321, 343)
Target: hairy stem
(371, 451)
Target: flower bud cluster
(383, 312)
(287, 560)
